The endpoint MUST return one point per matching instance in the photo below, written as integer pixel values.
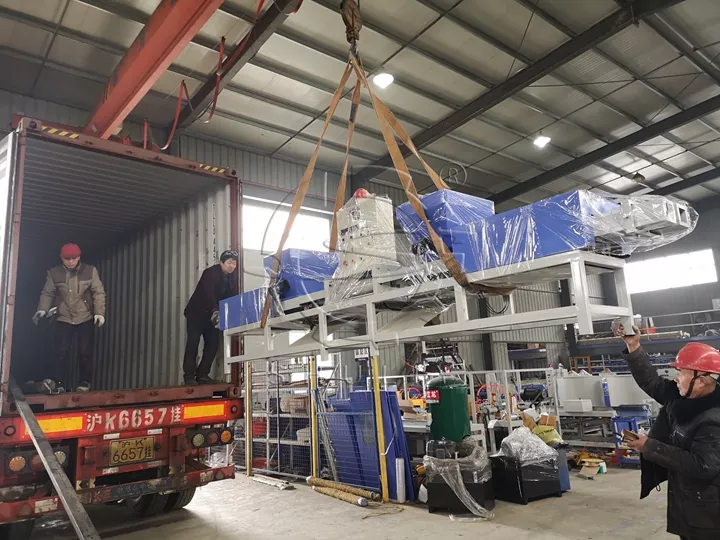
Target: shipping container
(150, 223)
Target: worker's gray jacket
(78, 294)
(683, 448)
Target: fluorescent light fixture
(541, 140)
(383, 80)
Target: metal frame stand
(410, 325)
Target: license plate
(132, 450)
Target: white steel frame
(576, 265)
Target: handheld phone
(628, 435)
(625, 324)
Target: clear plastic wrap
(578, 220)
(244, 309)
(474, 467)
(370, 249)
(526, 448)
(445, 209)
(301, 272)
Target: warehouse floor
(607, 507)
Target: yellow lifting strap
(389, 126)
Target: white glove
(215, 319)
(38, 315)
(99, 320)
(52, 312)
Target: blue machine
(445, 210)
(555, 225)
(302, 271)
(244, 309)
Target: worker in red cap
(683, 446)
(73, 291)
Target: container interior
(150, 229)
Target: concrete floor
(241, 509)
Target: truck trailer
(150, 223)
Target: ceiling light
(383, 80)
(541, 140)
(637, 177)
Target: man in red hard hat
(683, 446)
(74, 292)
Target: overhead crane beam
(170, 28)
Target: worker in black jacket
(683, 445)
(202, 313)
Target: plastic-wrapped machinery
(366, 242)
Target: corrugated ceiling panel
(224, 24)
(519, 117)
(553, 95)
(507, 21)
(600, 119)
(449, 40)
(249, 136)
(699, 20)
(50, 10)
(483, 133)
(695, 193)
(85, 18)
(82, 56)
(639, 48)
(638, 100)
(428, 75)
(23, 37)
(591, 67)
(584, 13)
(376, 48)
(406, 18)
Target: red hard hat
(698, 357)
(361, 193)
(70, 251)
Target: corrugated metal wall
(262, 176)
(49, 111)
(396, 194)
(532, 298)
(37, 108)
(148, 281)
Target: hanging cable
(217, 79)
(183, 92)
(145, 134)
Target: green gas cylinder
(447, 401)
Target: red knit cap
(70, 251)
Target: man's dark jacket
(684, 448)
(214, 286)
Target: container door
(8, 157)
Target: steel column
(640, 136)
(171, 27)
(267, 24)
(607, 27)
